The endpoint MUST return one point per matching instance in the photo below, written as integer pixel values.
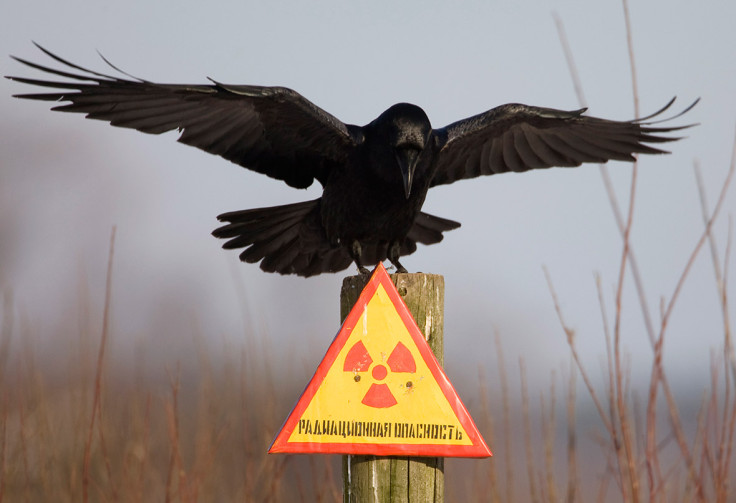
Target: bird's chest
(361, 206)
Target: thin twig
(572, 463)
(98, 375)
(654, 470)
(146, 448)
(576, 82)
(533, 496)
(632, 62)
(610, 192)
(6, 334)
(3, 446)
(486, 408)
(176, 463)
(570, 335)
(621, 406)
(548, 436)
(508, 458)
(730, 360)
(24, 449)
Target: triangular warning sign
(379, 390)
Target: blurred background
(66, 181)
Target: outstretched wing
(516, 137)
(271, 130)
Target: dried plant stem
(610, 192)
(570, 333)
(6, 333)
(610, 420)
(533, 495)
(3, 447)
(508, 458)
(632, 62)
(176, 464)
(146, 448)
(548, 436)
(654, 471)
(98, 375)
(572, 463)
(621, 406)
(24, 450)
(486, 408)
(730, 360)
(701, 241)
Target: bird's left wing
(271, 130)
(517, 137)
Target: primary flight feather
(375, 177)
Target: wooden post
(384, 479)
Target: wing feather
(527, 154)
(496, 163)
(271, 130)
(545, 152)
(510, 155)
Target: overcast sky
(65, 181)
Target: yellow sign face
(383, 389)
(379, 390)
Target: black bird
(375, 177)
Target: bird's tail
(427, 229)
(286, 239)
(290, 239)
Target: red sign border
(478, 449)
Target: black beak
(407, 159)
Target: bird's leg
(394, 252)
(355, 253)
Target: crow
(375, 177)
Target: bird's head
(407, 129)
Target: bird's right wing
(271, 130)
(517, 137)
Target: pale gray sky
(64, 181)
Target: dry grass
(89, 429)
(96, 434)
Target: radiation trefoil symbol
(359, 361)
